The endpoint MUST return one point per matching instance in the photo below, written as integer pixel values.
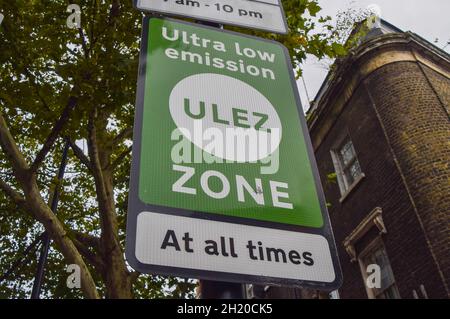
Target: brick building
(380, 128)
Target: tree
(343, 36)
(58, 84)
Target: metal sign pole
(46, 240)
(221, 290)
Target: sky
(428, 18)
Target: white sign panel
(265, 15)
(225, 247)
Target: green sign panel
(222, 165)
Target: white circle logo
(225, 117)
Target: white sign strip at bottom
(175, 241)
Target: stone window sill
(351, 188)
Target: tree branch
(90, 256)
(93, 152)
(113, 14)
(121, 156)
(83, 43)
(24, 65)
(115, 11)
(20, 166)
(87, 239)
(106, 204)
(57, 128)
(25, 257)
(17, 198)
(80, 155)
(124, 134)
(134, 276)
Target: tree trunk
(59, 235)
(117, 278)
(116, 275)
(41, 211)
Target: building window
(387, 288)
(346, 164)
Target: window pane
(346, 165)
(390, 293)
(386, 274)
(352, 172)
(347, 152)
(349, 178)
(355, 170)
(387, 289)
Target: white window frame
(344, 186)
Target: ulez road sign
(224, 184)
(267, 15)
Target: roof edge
(342, 65)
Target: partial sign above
(224, 184)
(267, 15)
